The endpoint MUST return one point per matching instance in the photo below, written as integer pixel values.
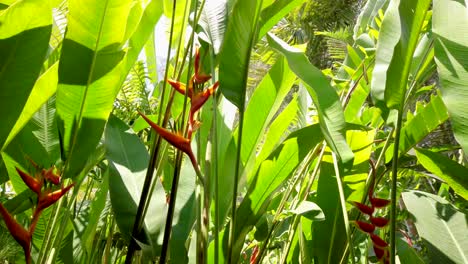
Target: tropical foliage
(142, 131)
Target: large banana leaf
(448, 170)
(241, 35)
(274, 12)
(44, 88)
(263, 105)
(128, 159)
(324, 96)
(398, 38)
(450, 27)
(442, 228)
(25, 29)
(213, 20)
(89, 78)
(271, 174)
(329, 236)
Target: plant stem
(214, 161)
(343, 206)
(170, 213)
(145, 193)
(235, 186)
(394, 188)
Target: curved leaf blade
(398, 38)
(448, 170)
(450, 27)
(89, 76)
(241, 35)
(325, 98)
(23, 46)
(440, 225)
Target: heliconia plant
(45, 197)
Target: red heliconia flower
(379, 252)
(379, 221)
(181, 88)
(363, 208)
(377, 241)
(34, 184)
(254, 256)
(175, 140)
(379, 202)
(47, 198)
(365, 227)
(200, 99)
(19, 233)
(50, 176)
(199, 77)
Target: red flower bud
(200, 99)
(181, 88)
(379, 252)
(50, 176)
(49, 198)
(254, 256)
(175, 140)
(199, 77)
(365, 227)
(19, 233)
(363, 208)
(34, 184)
(379, 221)
(379, 202)
(378, 242)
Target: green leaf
(91, 222)
(273, 13)
(271, 174)
(324, 96)
(426, 119)
(406, 253)
(89, 76)
(448, 170)
(369, 11)
(398, 38)
(213, 20)
(309, 210)
(329, 236)
(450, 28)
(263, 105)
(442, 228)
(128, 160)
(240, 38)
(23, 46)
(44, 88)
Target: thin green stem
(235, 186)
(343, 206)
(214, 161)
(394, 188)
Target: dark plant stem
(394, 189)
(170, 213)
(145, 193)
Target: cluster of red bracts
(380, 246)
(198, 97)
(46, 197)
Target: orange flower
(34, 184)
(19, 233)
(199, 78)
(175, 140)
